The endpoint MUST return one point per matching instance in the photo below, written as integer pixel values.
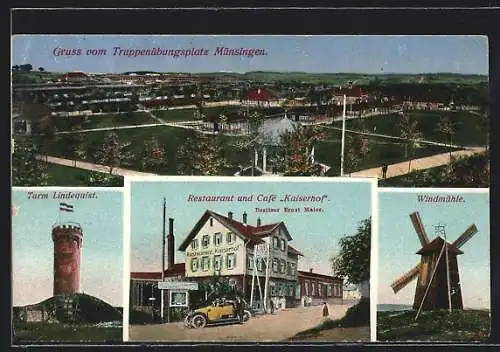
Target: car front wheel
(246, 316)
(198, 321)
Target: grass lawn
(106, 120)
(382, 150)
(60, 175)
(459, 325)
(469, 130)
(36, 332)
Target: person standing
(239, 309)
(384, 170)
(271, 306)
(325, 310)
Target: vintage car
(220, 311)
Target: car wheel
(198, 321)
(247, 315)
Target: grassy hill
(459, 325)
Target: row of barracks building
(220, 244)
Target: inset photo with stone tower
(67, 265)
(434, 268)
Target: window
(211, 222)
(230, 261)
(217, 239)
(230, 237)
(194, 243)
(329, 290)
(259, 264)
(275, 242)
(275, 265)
(306, 287)
(178, 299)
(250, 262)
(205, 263)
(194, 264)
(217, 262)
(320, 287)
(282, 245)
(288, 268)
(205, 241)
(282, 266)
(292, 268)
(313, 290)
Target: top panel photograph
(411, 111)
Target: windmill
(438, 285)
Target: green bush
(357, 315)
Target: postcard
(411, 111)
(67, 265)
(249, 259)
(433, 265)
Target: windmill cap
(435, 246)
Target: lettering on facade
(213, 251)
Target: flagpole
(343, 139)
(162, 303)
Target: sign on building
(177, 285)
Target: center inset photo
(249, 260)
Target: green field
(470, 129)
(459, 325)
(36, 332)
(60, 175)
(381, 150)
(106, 120)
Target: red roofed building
(260, 96)
(354, 95)
(75, 76)
(317, 288)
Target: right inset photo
(434, 265)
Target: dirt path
(276, 327)
(91, 166)
(401, 168)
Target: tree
(357, 149)
(101, 179)
(113, 152)
(353, 259)
(298, 145)
(410, 133)
(447, 127)
(154, 155)
(27, 169)
(201, 154)
(41, 69)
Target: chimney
(244, 218)
(311, 270)
(170, 244)
(259, 222)
(230, 215)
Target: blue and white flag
(65, 207)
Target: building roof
(75, 74)
(271, 130)
(178, 269)
(436, 245)
(247, 231)
(260, 94)
(293, 250)
(309, 275)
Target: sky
(32, 247)
(324, 54)
(398, 242)
(316, 235)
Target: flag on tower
(65, 207)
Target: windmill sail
(460, 241)
(419, 228)
(405, 279)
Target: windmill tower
(438, 285)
